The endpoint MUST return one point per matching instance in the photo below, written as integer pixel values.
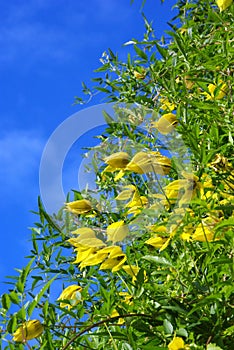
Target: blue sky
(47, 48)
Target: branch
(110, 319)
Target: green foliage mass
(179, 251)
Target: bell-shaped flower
(223, 4)
(166, 123)
(117, 231)
(117, 161)
(146, 162)
(71, 296)
(29, 330)
(81, 206)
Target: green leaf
(6, 301)
(157, 260)
(39, 296)
(168, 328)
(12, 324)
(14, 297)
(141, 53)
(213, 347)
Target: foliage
(152, 269)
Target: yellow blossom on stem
(71, 296)
(81, 206)
(117, 231)
(177, 344)
(115, 314)
(29, 330)
(216, 92)
(140, 73)
(117, 160)
(223, 4)
(146, 162)
(115, 260)
(166, 123)
(166, 104)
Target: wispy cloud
(20, 153)
(58, 31)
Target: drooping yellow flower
(137, 201)
(203, 233)
(127, 193)
(115, 260)
(176, 344)
(166, 105)
(117, 231)
(81, 206)
(166, 123)
(140, 73)
(156, 241)
(182, 190)
(146, 162)
(116, 161)
(71, 296)
(29, 330)
(216, 92)
(223, 4)
(127, 297)
(133, 270)
(115, 314)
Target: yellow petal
(117, 160)
(223, 4)
(80, 206)
(166, 123)
(176, 344)
(117, 231)
(29, 330)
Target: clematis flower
(182, 189)
(127, 298)
(166, 105)
(203, 233)
(216, 92)
(115, 314)
(117, 161)
(223, 4)
(29, 330)
(71, 296)
(145, 162)
(166, 123)
(115, 260)
(81, 206)
(136, 203)
(117, 231)
(177, 344)
(140, 73)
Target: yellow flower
(117, 231)
(29, 330)
(216, 92)
(166, 123)
(117, 161)
(156, 241)
(127, 297)
(133, 270)
(81, 206)
(176, 344)
(115, 260)
(71, 296)
(188, 82)
(126, 193)
(115, 314)
(167, 105)
(145, 162)
(140, 73)
(223, 4)
(203, 233)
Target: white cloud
(20, 153)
